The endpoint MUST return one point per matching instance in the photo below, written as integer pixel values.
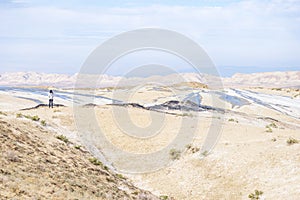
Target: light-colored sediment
(35, 164)
(247, 156)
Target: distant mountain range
(265, 79)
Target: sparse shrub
(56, 110)
(43, 122)
(273, 125)
(120, 176)
(274, 139)
(256, 195)
(195, 149)
(163, 197)
(269, 129)
(187, 115)
(277, 89)
(192, 149)
(19, 115)
(296, 95)
(291, 141)
(63, 138)
(35, 118)
(27, 116)
(3, 113)
(184, 114)
(95, 161)
(233, 120)
(175, 154)
(204, 153)
(77, 146)
(188, 146)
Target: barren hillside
(37, 164)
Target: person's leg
(49, 103)
(52, 103)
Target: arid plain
(257, 148)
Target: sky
(239, 36)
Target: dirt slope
(34, 164)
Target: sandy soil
(35, 164)
(248, 155)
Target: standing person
(51, 98)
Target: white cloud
(247, 33)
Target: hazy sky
(239, 36)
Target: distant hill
(265, 79)
(36, 79)
(65, 81)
